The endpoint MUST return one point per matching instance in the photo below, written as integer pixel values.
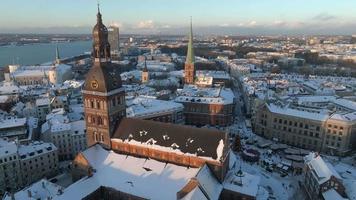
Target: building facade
(114, 39)
(329, 133)
(320, 177)
(21, 165)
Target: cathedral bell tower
(103, 94)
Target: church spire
(57, 55)
(189, 68)
(145, 66)
(190, 53)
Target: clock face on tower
(94, 84)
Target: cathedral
(130, 158)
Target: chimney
(43, 184)
(12, 196)
(29, 194)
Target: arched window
(93, 119)
(98, 104)
(92, 104)
(95, 137)
(100, 121)
(101, 137)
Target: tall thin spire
(145, 66)
(99, 20)
(57, 55)
(190, 52)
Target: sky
(232, 17)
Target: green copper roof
(57, 55)
(190, 53)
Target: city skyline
(158, 16)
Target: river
(41, 53)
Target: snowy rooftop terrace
(217, 95)
(149, 179)
(145, 106)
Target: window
(101, 137)
(95, 137)
(113, 101)
(100, 121)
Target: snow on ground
(278, 187)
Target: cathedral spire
(99, 20)
(190, 53)
(101, 46)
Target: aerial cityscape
(181, 100)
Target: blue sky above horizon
(141, 16)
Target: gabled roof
(198, 141)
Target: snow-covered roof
(244, 184)
(43, 101)
(9, 88)
(321, 170)
(36, 148)
(42, 189)
(142, 107)
(332, 194)
(172, 138)
(196, 193)
(213, 74)
(315, 99)
(217, 95)
(297, 113)
(345, 103)
(72, 84)
(137, 176)
(13, 122)
(209, 183)
(7, 148)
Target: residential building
(21, 165)
(321, 180)
(68, 136)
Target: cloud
(224, 25)
(324, 17)
(117, 24)
(148, 24)
(252, 23)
